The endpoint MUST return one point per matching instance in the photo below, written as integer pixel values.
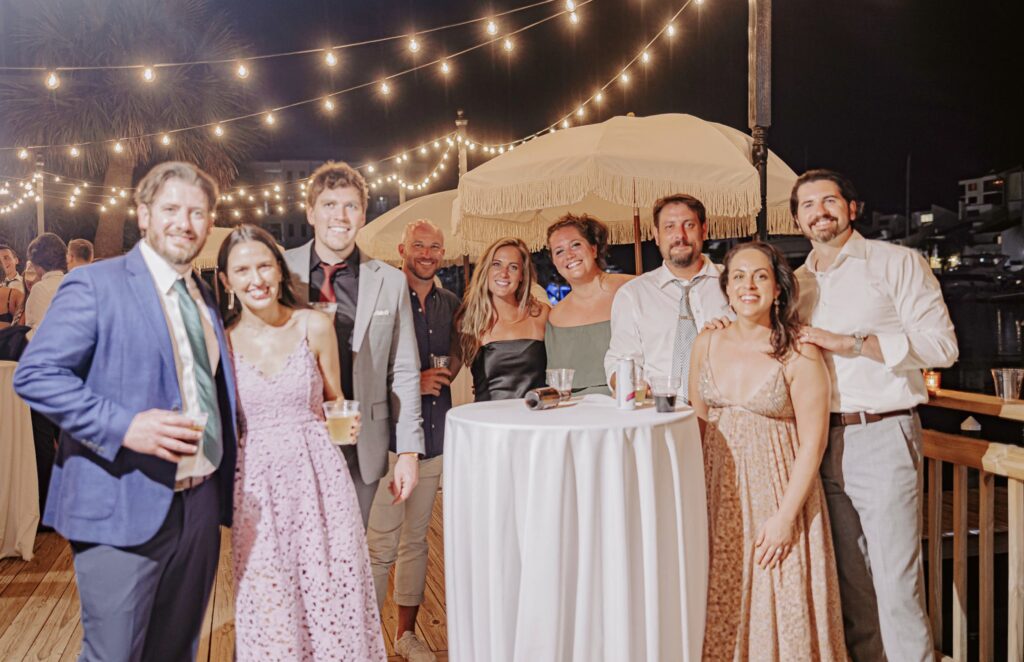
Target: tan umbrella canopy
(381, 236)
(603, 169)
(207, 258)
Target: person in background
(761, 398)
(501, 324)
(876, 311)
(47, 255)
(9, 269)
(397, 534)
(29, 277)
(79, 253)
(578, 330)
(656, 316)
(373, 320)
(11, 301)
(304, 590)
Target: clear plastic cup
(560, 379)
(1007, 382)
(440, 361)
(341, 416)
(198, 419)
(664, 389)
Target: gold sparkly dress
(791, 612)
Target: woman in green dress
(578, 330)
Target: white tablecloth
(578, 533)
(19, 492)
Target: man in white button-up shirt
(645, 311)
(878, 312)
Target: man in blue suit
(129, 361)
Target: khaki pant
(398, 534)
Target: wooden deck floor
(39, 616)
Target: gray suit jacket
(385, 362)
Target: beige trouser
(398, 534)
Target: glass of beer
(341, 415)
(664, 389)
(642, 385)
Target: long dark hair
(593, 231)
(785, 324)
(248, 232)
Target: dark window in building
(993, 185)
(302, 174)
(291, 230)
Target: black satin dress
(507, 369)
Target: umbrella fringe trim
(619, 189)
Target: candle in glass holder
(932, 380)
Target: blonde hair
(477, 315)
(154, 180)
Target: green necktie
(213, 447)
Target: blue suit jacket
(103, 354)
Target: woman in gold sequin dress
(762, 399)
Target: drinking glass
(1008, 381)
(440, 361)
(198, 419)
(664, 389)
(341, 415)
(560, 379)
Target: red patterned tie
(327, 287)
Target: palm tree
(114, 103)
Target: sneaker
(412, 649)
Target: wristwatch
(858, 343)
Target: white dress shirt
(164, 276)
(16, 283)
(39, 299)
(885, 290)
(645, 313)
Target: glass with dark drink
(664, 390)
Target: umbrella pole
(637, 255)
(465, 271)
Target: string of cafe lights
(269, 117)
(643, 57)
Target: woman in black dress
(501, 324)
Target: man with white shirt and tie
(129, 359)
(656, 317)
(877, 311)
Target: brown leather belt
(862, 417)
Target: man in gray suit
(376, 336)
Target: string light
(579, 112)
(507, 45)
(574, 18)
(242, 71)
(492, 28)
(148, 75)
(624, 78)
(269, 119)
(118, 147)
(52, 80)
(218, 130)
(645, 57)
(330, 59)
(570, 5)
(328, 105)
(670, 29)
(599, 97)
(165, 140)
(445, 68)
(74, 152)
(414, 45)
(385, 89)
(23, 154)
(565, 124)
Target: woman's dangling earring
(231, 300)
(776, 306)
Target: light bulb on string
(414, 45)
(645, 57)
(599, 97)
(330, 59)
(77, 191)
(118, 147)
(445, 67)
(579, 112)
(165, 140)
(218, 130)
(437, 145)
(241, 70)
(492, 28)
(385, 89)
(565, 124)
(148, 75)
(52, 80)
(370, 169)
(328, 104)
(624, 78)
(574, 18)
(74, 153)
(507, 44)
(423, 150)
(671, 30)
(123, 193)
(699, 2)
(570, 5)
(269, 119)
(23, 154)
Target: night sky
(856, 85)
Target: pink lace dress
(304, 589)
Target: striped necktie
(686, 334)
(213, 446)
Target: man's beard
(176, 256)
(826, 234)
(685, 261)
(416, 271)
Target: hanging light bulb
(330, 59)
(370, 169)
(699, 2)
(269, 119)
(445, 68)
(385, 89)
(23, 154)
(423, 150)
(574, 17)
(565, 124)
(218, 130)
(437, 145)
(242, 71)
(507, 44)
(671, 30)
(328, 104)
(52, 80)
(165, 140)
(624, 78)
(123, 193)
(74, 152)
(645, 57)
(148, 75)
(492, 28)
(599, 97)
(118, 147)
(570, 5)
(414, 45)
(77, 191)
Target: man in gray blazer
(376, 336)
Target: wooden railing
(989, 460)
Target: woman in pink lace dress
(303, 586)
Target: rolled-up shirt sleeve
(928, 339)
(625, 342)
